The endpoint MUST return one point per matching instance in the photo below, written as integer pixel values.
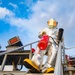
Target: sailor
(51, 49)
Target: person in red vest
(47, 44)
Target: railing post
(3, 63)
(58, 65)
(30, 55)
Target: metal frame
(59, 68)
(8, 52)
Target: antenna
(0, 46)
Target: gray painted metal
(58, 65)
(3, 63)
(8, 51)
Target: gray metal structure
(12, 52)
(59, 67)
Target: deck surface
(21, 73)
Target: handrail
(58, 65)
(58, 68)
(8, 51)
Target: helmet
(52, 23)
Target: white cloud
(72, 19)
(42, 11)
(62, 11)
(14, 5)
(5, 12)
(27, 2)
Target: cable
(69, 48)
(19, 64)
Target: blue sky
(25, 18)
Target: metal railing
(8, 51)
(58, 65)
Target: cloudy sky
(25, 18)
